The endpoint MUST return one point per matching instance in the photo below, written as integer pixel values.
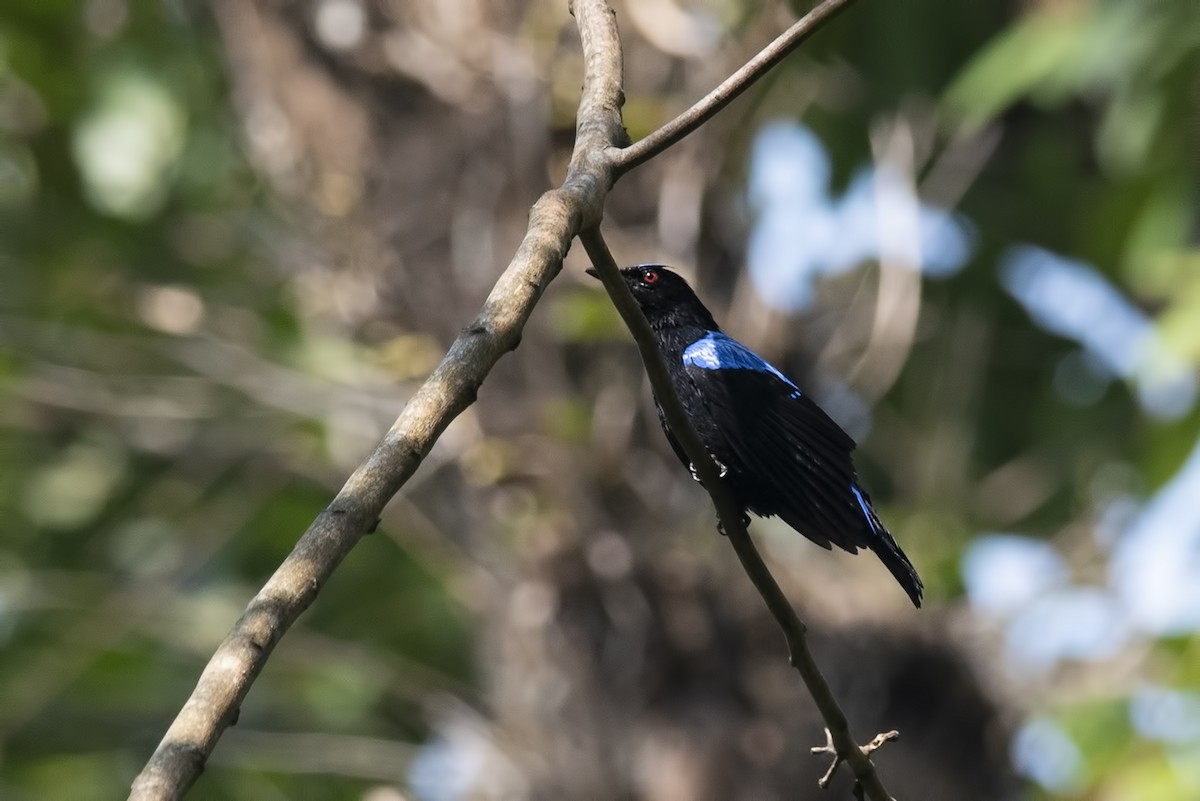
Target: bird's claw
(721, 524)
(724, 471)
(830, 749)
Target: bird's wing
(788, 458)
(794, 460)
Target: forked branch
(600, 156)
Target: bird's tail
(888, 551)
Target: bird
(778, 451)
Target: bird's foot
(831, 750)
(721, 524)
(724, 471)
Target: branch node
(829, 749)
(878, 742)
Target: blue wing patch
(862, 504)
(720, 352)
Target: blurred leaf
(341, 696)
(79, 777)
(73, 490)
(1180, 321)
(1039, 56)
(569, 420)
(1148, 776)
(18, 173)
(1101, 730)
(584, 316)
(408, 356)
(127, 145)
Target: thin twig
(554, 222)
(687, 122)
(730, 513)
(829, 749)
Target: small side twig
(831, 750)
(708, 106)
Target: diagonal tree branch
(842, 743)
(554, 221)
(707, 107)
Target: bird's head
(663, 294)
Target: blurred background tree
(233, 236)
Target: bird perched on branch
(780, 453)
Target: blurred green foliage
(145, 500)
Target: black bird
(780, 452)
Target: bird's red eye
(650, 276)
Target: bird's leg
(722, 472)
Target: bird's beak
(590, 271)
